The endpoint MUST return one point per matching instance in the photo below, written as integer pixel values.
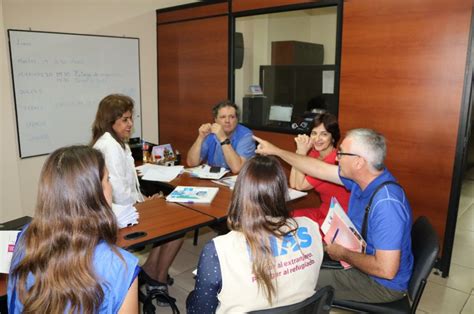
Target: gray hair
(226, 103)
(370, 145)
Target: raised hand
(204, 130)
(303, 144)
(217, 129)
(265, 147)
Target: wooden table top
(218, 208)
(219, 205)
(161, 220)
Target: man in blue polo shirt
(224, 143)
(383, 272)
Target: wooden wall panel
(402, 74)
(192, 77)
(193, 13)
(245, 5)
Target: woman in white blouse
(110, 132)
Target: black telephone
(214, 169)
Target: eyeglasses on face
(339, 154)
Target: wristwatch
(225, 142)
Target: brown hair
(72, 216)
(258, 210)
(110, 109)
(226, 103)
(330, 124)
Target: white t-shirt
(121, 166)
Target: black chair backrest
(425, 248)
(149, 188)
(318, 303)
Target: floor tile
(463, 250)
(440, 299)
(464, 238)
(469, 306)
(184, 261)
(467, 188)
(460, 278)
(186, 280)
(464, 204)
(205, 235)
(469, 175)
(466, 220)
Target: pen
(335, 235)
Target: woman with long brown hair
(268, 259)
(65, 260)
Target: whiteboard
(59, 80)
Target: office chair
(318, 303)
(425, 247)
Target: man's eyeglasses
(339, 154)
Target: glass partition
(285, 67)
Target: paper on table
(230, 182)
(126, 215)
(227, 181)
(203, 172)
(7, 245)
(159, 173)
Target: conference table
(160, 220)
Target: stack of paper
(204, 172)
(7, 245)
(152, 172)
(127, 215)
(192, 194)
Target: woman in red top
(321, 143)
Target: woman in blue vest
(65, 260)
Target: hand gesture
(265, 147)
(204, 130)
(303, 144)
(217, 129)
